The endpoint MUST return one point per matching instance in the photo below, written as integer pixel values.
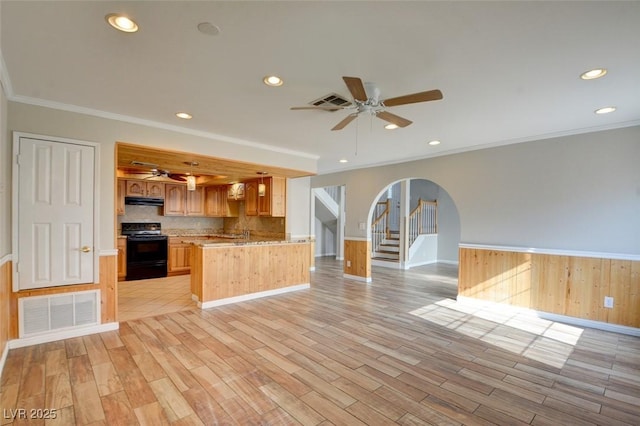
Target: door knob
(86, 249)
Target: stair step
(387, 251)
(382, 254)
(385, 259)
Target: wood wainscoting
(223, 271)
(357, 259)
(107, 287)
(574, 286)
(5, 304)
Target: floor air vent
(331, 99)
(40, 314)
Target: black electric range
(147, 250)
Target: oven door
(146, 249)
(146, 257)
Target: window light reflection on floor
(515, 330)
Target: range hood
(143, 201)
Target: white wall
(579, 192)
(5, 176)
(298, 207)
(52, 122)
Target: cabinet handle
(86, 249)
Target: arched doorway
(413, 222)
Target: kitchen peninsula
(230, 271)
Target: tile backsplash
(271, 227)
(154, 214)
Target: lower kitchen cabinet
(179, 262)
(122, 259)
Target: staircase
(389, 249)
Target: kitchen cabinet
(175, 201)
(180, 202)
(273, 203)
(122, 259)
(121, 188)
(217, 203)
(251, 198)
(179, 262)
(140, 188)
(236, 191)
(195, 202)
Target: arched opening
(413, 222)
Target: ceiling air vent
(332, 99)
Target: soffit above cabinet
(209, 170)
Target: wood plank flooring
(400, 350)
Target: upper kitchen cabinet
(236, 191)
(272, 203)
(195, 202)
(217, 204)
(175, 200)
(140, 188)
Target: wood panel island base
(234, 272)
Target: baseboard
(357, 278)
(246, 297)
(580, 322)
(61, 335)
(385, 264)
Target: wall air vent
(41, 314)
(332, 99)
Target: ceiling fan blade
(392, 118)
(325, 108)
(355, 86)
(174, 176)
(348, 119)
(431, 95)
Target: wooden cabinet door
(155, 189)
(195, 202)
(121, 189)
(179, 261)
(136, 188)
(251, 198)
(122, 258)
(264, 202)
(175, 200)
(211, 201)
(278, 197)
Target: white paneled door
(55, 213)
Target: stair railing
(380, 224)
(423, 220)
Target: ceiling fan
(154, 171)
(366, 100)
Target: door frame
(14, 199)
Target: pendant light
(262, 188)
(191, 179)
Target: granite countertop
(224, 242)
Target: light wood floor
(400, 350)
(143, 298)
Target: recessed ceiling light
(593, 74)
(208, 28)
(344, 160)
(434, 143)
(605, 110)
(273, 80)
(184, 115)
(121, 22)
(391, 126)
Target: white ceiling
(509, 71)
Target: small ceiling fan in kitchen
(155, 171)
(366, 100)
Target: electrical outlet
(362, 226)
(608, 302)
(348, 264)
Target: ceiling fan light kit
(366, 100)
